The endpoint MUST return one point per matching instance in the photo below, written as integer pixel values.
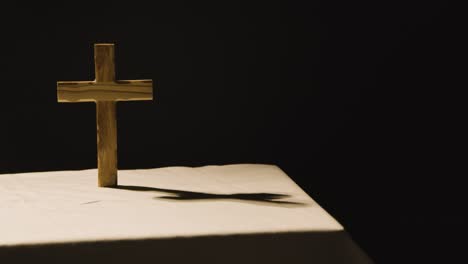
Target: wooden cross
(105, 91)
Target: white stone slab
(174, 203)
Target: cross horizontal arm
(91, 91)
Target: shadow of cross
(189, 195)
(105, 90)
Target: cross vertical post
(106, 122)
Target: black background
(360, 103)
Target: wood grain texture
(106, 122)
(106, 143)
(104, 62)
(91, 91)
(105, 91)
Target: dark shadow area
(189, 195)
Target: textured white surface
(67, 206)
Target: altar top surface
(66, 206)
